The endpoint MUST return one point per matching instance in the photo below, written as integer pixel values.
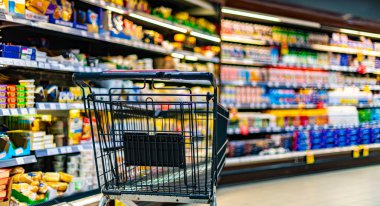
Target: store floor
(359, 186)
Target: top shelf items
(299, 47)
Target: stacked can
(20, 96)
(3, 96)
(28, 92)
(11, 96)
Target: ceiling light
(191, 58)
(243, 40)
(159, 23)
(300, 22)
(250, 14)
(361, 33)
(177, 55)
(205, 36)
(117, 10)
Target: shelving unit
(274, 162)
(54, 73)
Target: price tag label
(5, 112)
(62, 106)
(53, 106)
(24, 111)
(84, 33)
(53, 151)
(14, 112)
(310, 157)
(63, 150)
(41, 106)
(365, 151)
(355, 152)
(20, 161)
(69, 149)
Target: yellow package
(4, 5)
(17, 7)
(51, 177)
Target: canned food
(11, 88)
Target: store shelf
(153, 20)
(316, 47)
(58, 106)
(249, 62)
(102, 37)
(293, 106)
(18, 161)
(243, 62)
(47, 66)
(246, 160)
(277, 129)
(244, 40)
(62, 150)
(294, 85)
(17, 112)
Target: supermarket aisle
(357, 186)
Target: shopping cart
(155, 143)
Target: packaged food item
(3, 87)
(11, 94)
(36, 176)
(11, 105)
(11, 100)
(20, 186)
(11, 88)
(22, 178)
(20, 88)
(21, 94)
(17, 7)
(65, 177)
(3, 99)
(51, 177)
(21, 105)
(3, 105)
(30, 104)
(3, 93)
(27, 82)
(42, 188)
(29, 93)
(21, 99)
(60, 186)
(17, 170)
(30, 88)
(63, 13)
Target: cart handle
(145, 74)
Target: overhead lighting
(250, 14)
(191, 58)
(205, 36)
(159, 23)
(243, 40)
(117, 10)
(271, 18)
(177, 55)
(360, 33)
(300, 22)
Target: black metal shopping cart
(155, 143)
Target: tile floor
(356, 187)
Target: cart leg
(104, 201)
(213, 203)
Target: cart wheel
(104, 201)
